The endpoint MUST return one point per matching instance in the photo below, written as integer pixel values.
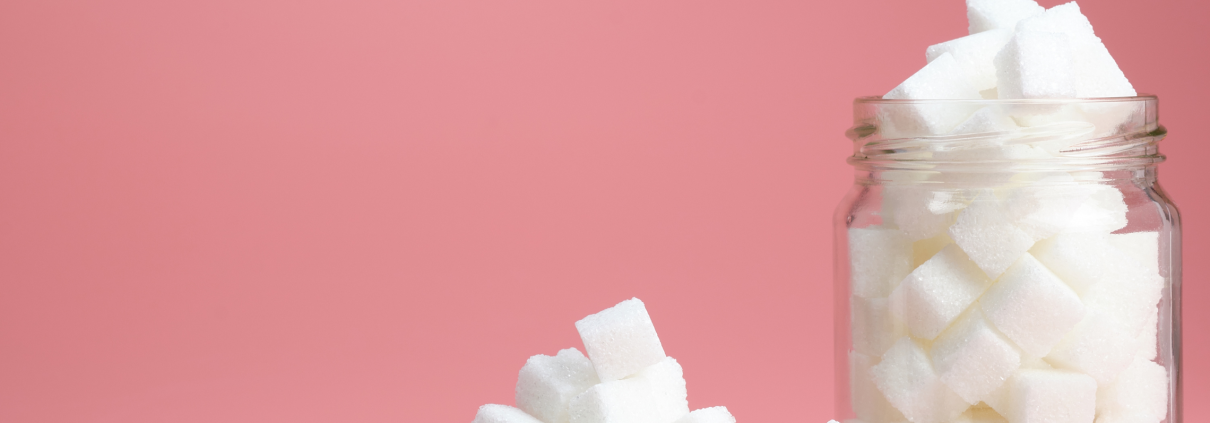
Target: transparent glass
(1007, 260)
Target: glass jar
(1007, 260)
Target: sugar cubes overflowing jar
(1006, 253)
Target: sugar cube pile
(981, 300)
(1016, 50)
(1069, 330)
(626, 378)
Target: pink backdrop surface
(375, 211)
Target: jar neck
(982, 142)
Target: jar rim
(1143, 97)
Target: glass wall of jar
(1007, 260)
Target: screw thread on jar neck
(992, 142)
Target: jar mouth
(1006, 135)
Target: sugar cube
(938, 291)
(654, 395)
(879, 259)
(1097, 74)
(1032, 306)
(975, 52)
(874, 327)
(667, 388)
(988, 237)
(869, 404)
(1130, 295)
(547, 384)
(972, 358)
(1103, 210)
(1045, 207)
(1144, 247)
(1036, 64)
(1099, 346)
(1138, 395)
(1048, 396)
(1079, 259)
(942, 78)
(620, 340)
(921, 212)
(907, 378)
(496, 413)
(986, 15)
(708, 415)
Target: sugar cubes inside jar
(1006, 254)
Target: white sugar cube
(620, 340)
(975, 52)
(869, 404)
(1138, 395)
(496, 413)
(1143, 246)
(879, 259)
(1097, 73)
(1148, 340)
(547, 384)
(921, 212)
(1130, 294)
(875, 328)
(937, 292)
(986, 15)
(907, 378)
(981, 415)
(1099, 346)
(1048, 396)
(1036, 64)
(654, 395)
(988, 237)
(942, 78)
(1108, 279)
(1045, 207)
(1103, 211)
(708, 415)
(1032, 306)
(972, 358)
(1079, 259)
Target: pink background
(374, 211)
